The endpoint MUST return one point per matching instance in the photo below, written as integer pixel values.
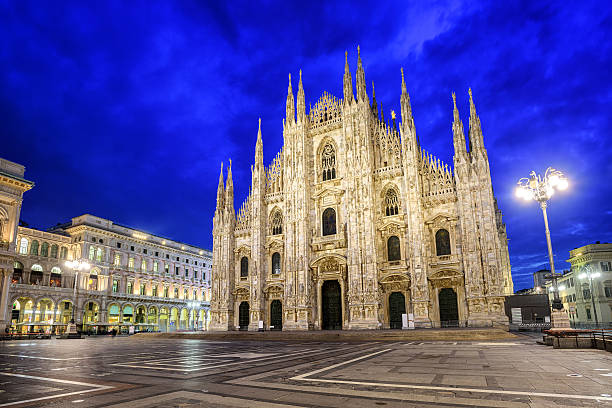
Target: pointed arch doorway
(243, 316)
(397, 307)
(331, 305)
(276, 315)
(449, 310)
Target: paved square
(157, 372)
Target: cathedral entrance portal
(397, 307)
(243, 316)
(332, 305)
(449, 313)
(276, 315)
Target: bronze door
(332, 305)
(397, 307)
(243, 316)
(276, 315)
(449, 312)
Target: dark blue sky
(125, 110)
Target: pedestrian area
(157, 372)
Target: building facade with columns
(134, 279)
(12, 187)
(354, 224)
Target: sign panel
(517, 315)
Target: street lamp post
(590, 274)
(77, 265)
(540, 189)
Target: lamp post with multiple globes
(540, 189)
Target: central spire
(405, 103)
(348, 82)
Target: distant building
(135, 279)
(539, 278)
(575, 289)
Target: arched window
(37, 268)
(143, 265)
(276, 222)
(23, 246)
(328, 162)
(329, 221)
(276, 264)
(99, 255)
(92, 253)
(443, 246)
(54, 248)
(244, 267)
(391, 203)
(63, 252)
(34, 248)
(393, 249)
(44, 250)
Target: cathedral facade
(354, 224)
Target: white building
(584, 306)
(354, 224)
(135, 279)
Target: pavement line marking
(302, 377)
(210, 366)
(97, 387)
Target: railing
(573, 338)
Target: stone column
(5, 277)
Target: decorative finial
(300, 74)
(346, 56)
(470, 92)
(230, 165)
(358, 50)
(260, 124)
(290, 78)
(373, 90)
(402, 69)
(454, 99)
(393, 114)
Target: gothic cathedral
(354, 224)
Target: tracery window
(277, 223)
(44, 250)
(23, 246)
(329, 221)
(34, 248)
(391, 203)
(276, 268)
(328, 162)
(393, 249)
(443, 246)
(244, 267)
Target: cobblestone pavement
(157, 372)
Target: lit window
(23, 246)
(143, 265)
(142, 289)
(117, 260)
(115, 285)
(131, 263)
(130, 287)
(92, 253)
(99, 255)
(154, 291)
(154, 266)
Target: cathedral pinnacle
(259, 146)
(220, 190)
(229, 190)
(347, 81)
(374, 105)
(360, 79)
(405, 103)
(301, 103)
(290, 113)
(475, 131)
(458, 136)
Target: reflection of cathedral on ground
(354, 224)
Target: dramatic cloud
(125, 110)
